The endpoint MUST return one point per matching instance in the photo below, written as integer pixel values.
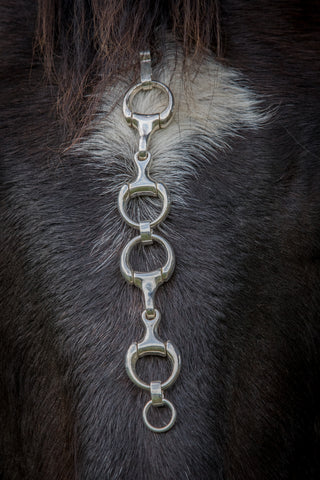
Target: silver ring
(164, 117)
(133, 356)
(160, 275)
(166, 427)
(160, 191)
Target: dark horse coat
(242, 163)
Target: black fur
(243, 305)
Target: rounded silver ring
(164, 116)
(133, 356)
(124, 196)
(166, 427)
(164, 272)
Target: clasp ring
(166, 427)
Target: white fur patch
(209, 101)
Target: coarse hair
(86, 44)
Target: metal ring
(164, 116)
(124, 197)
(133, 356)
(151, 344)
(166, 427)
(164, 273)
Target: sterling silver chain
(148, 282)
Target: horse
(240, 160)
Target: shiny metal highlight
(167, 427)
(143, 185)
(146, 124)
(148, 282)
(151, 344)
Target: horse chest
(237, 306)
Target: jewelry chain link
(148, 282)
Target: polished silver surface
(142, 186)
(145, 233)
(151, 344)
(148, 282)
(146, 123)
(146, 70)
(156, 393)
(167, 427)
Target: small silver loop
(166, 427)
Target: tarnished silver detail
(167, 427)
(148, 282)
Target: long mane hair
(85, 45)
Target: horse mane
(85, 45)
